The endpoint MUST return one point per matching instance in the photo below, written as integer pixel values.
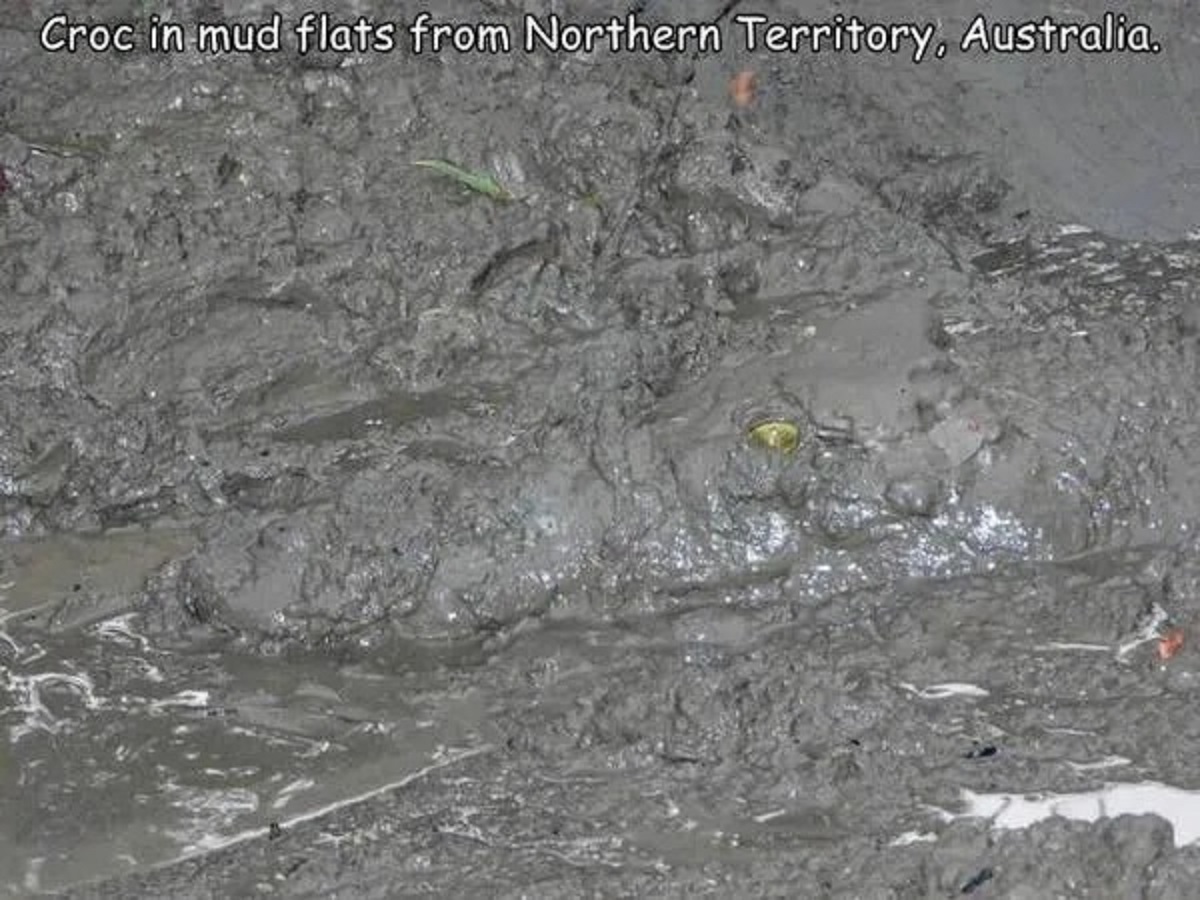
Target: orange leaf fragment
(1170, 644)
(742, 87)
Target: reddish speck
(1170, 644)
(742, 88)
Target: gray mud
(367, 538)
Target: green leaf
(480, 182)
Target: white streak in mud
(5, 615)
(288, 791)
(947, 689)
(913, 837)
(1010, 811)
(1150, 630)
(120, 628)
(186, 699)
(1109, 762)
(763, 818)
(210, 842)
(29, 689)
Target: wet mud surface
(364, 537)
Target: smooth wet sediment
(373, 537)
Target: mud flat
(785, 492)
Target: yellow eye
(776, 435)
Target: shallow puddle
(119, 754)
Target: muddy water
(125, 751)
(364, 537)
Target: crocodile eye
(776, 435)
